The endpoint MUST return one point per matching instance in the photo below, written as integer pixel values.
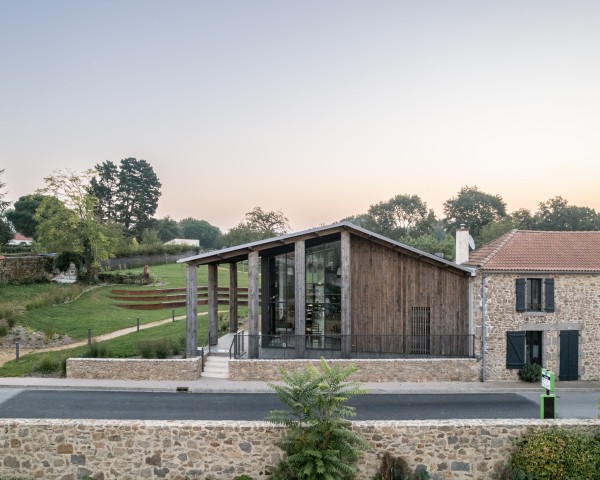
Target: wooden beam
(191, 312)
(233, 298)
(346, 300)
(300, 297)
(253, 289)
(213, 305)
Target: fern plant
(320, 443)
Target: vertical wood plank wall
(386, 285)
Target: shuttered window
(549, 294)
(521, 285)
(531, 297)
(515, 349)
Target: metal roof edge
(345, 225)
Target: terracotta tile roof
(526, 250)
(18, 236)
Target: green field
(96, 311)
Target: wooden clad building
(345, 289)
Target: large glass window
(323, 294)
(281, 293)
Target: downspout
(483, 326)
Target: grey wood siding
(387, 284)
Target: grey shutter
(515, 349)
(521, 285)
(549, 294)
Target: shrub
(320, 442)
(63, 261)
(3, 331)
(55, 296)
(243, 477)
(7, 312)
(393, 468)
(531, 373)
(97, 350)
(49, 366)
(125, 278)
(554, 454)
(155, 349)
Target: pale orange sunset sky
(315, 108)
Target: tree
(496, 229)
(105, 186)
(167, 228)
(68, 221)
(23, 212)
(127, 194)
(523, 219)
(257, 225)
(6, 232)
(402, 215)
(208, 234)
(431, 244)
(556, 214)
(473, 208)
(319, 442)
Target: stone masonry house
(342, 290)
(536, 298)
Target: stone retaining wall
(396, 370)
(178, 450)
(134, 369)
(25, 269)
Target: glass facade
(323, 294)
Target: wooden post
(253, 305)
(346, 297)
(233, 297)
(300, 297)
(191, 312)
(213, 305)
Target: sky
(315, 108)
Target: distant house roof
(19, 239)
(18, 236)
(531, 251)
(241, 252)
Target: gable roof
(238, 253)
(538, 251)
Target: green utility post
(547, 400)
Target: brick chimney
(462, 245)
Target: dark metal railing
(289, 345)
(237, 348)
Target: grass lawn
(120, 347)
(95, 310)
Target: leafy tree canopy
(208, 234)
(556, 214)
(167, 228)
(127, 194)
(473, 208)
(67, 221)
(23, 212)
(257, 225)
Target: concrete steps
(216, 366)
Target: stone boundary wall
(25, 269)
(134, 368)
(178, 450)
(389, 370)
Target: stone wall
(178, 450)
(577, 307)
(25, 269)
(393, 370)
(134, 369)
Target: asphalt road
(79, 404)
